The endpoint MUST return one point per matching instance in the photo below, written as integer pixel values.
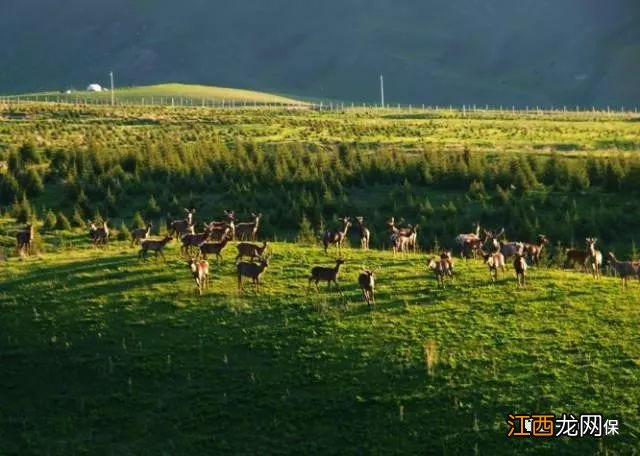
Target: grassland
(102, 353)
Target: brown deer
(366, 281)
(494, 261)
(520, 266)
(248, 231)
(100, 234)
(251, 250)
(214, 248)
(218, 226)
(410, 231)
(221, 232)
(625, 269)
(336, 236)
(594, 259)
(24, 238)
(469, 243)
(192, 241)
(576, 256)
(320, 273)
(252, 270)
(365, 233)
(156, 246)
(200, 271)
(534, 251)
(139, 234)
(179, 228)
(442, 268)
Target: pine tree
(50, 221)
(62, 222)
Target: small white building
(94, 88)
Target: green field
(187, 94)
(102, 353)
(105, 354)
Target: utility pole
(113, 95)
(381, 91)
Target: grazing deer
(534, 251)
(253, 271)
(213, 248)
(520, 266)
(366, 281)
(251, 250)
(494, 261)
(442, 268)
(336, 236)
(576, 256)
(24, 238)
(594, 258)
(320, 273)
(179, 228)
(625, 269)
(469, 243)
(200, 271)
(248, 231)
(218, 226)
(191, 241)
(156, 246)
(100, 234)
(365, 234)
(139, 234)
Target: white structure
(94, 88)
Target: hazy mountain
(430, 51)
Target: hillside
(103, 353)
(165, 92)
(531, 52)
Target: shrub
(50, 221)
(62, 222)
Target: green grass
(172, 90)
(102, 353)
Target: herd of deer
(197, 246)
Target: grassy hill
(163, 93)
(103, 353)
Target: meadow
(103, 353)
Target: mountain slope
(430, 51)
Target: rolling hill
(430, 51)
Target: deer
(442, 268)
(190, 241)
(576, 256)
(179, 228)
(520, 266)
(200, 271)
(139, 234)
(336, 236)
(365, 234)
(248, 231)
(534, 251)
(154, 245)
(100, 234)
(366, 281)
(400, 244)
(219, 225)
(214, 248)
(219, 233)
(24, 238)
(494, 261)
(594, 258)
(320, 273)
(625, 269)
(469, 243)
(251, 250)
(410, 232)
(253, 271)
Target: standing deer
(179, 228)
(365, 234)
(320, 273)
(253, 271)
(191, 241)
(520, 266)
(594, 259)
(214, 248)
(336, 236)
(442, 268)
(100, 234)
(469, 243)
(251, 250)
(576, 256)
(366, 281)
(248, 231)
(220, 225)
(200, 271)
(139, 234)
(24, 238)
(494, 261)
(625, 269)
(156, 246)
(534, 251)
(411, 232)
(400, 244)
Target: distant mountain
(522, 52)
